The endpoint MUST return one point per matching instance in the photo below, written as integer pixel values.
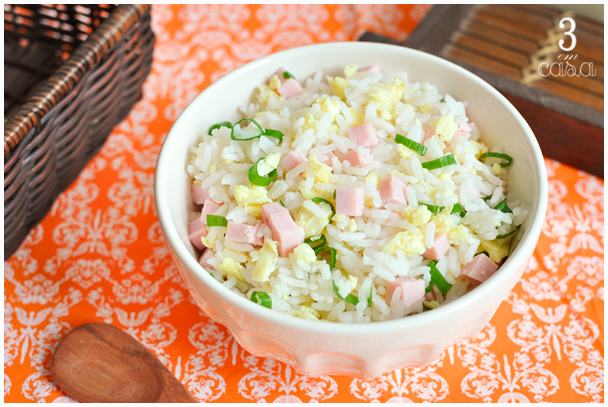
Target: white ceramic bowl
(358, 350)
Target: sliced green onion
(459, 210)
(288, 75)
(332, 263)
(438, 279)
(259, 180)
(484, 252)
(318, 241)
(506, 157)
(260, 297)
(217, 126)
(508, 234)
(442, 100)
(282, 204)
(262, 132)
(349, 298)
(215, 220)
(433, 208)
(369, 300)
(211, 274)
(440, 162)
(335, 194)
(503, 207)
(411, 144)
(318, 200)
(487, 198)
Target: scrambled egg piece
(267, 94)
(404, 152)
(306, 313)
(267, 261)
(443, 222)
(306, 193)
(496, 249)
(252, 198)
(417, 216)
(232, 268)
(372, 178)
(338, 85)
(322, 171)
(431, 304)
(313, 225)
(426, 108)
(410, 243)
(353, 281)
(357, 115)
(304, 252)
(445, 127)
(274, 83)
(458, 233)
(269, 163)
(446, 176)
(385, 97)
(339, 218)
(477, 148)
(350, 70)
(329, 106)
(352, 226)
(496, 168)
(309, 122)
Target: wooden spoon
(99, 363)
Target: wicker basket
(60, 113)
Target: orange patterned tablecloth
(99, 254)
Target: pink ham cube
(479, 269)
(292, 160)
(238, 232)
(207, 254)
(430, 296)
(290, 88)
(430, 133)
(284, 230)
(392, 190)
(355, 159)
(373, 69)
(349, 201)
(196, 230)
(199, 194)
(209, 208)
(364, 135)
(440, 247)
(412, 290)
(269, 209)
(329, 160)
(279, 74)
(464, 130)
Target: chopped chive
(282, 204)
(442, 100)
(215, 220)
(503, 207)
(288, 75)
(332, 263)
(459, 210)
(217, 126)
(411, 144)
(440, 162)
(506, 157)
(433, 208)
(258, 179)
(260, 297)
(262, 132)
(349, 298)
(323, 200)
(318, 241)
(484, 252)
(438, 279)
(508, 234)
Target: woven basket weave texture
(67, 118)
